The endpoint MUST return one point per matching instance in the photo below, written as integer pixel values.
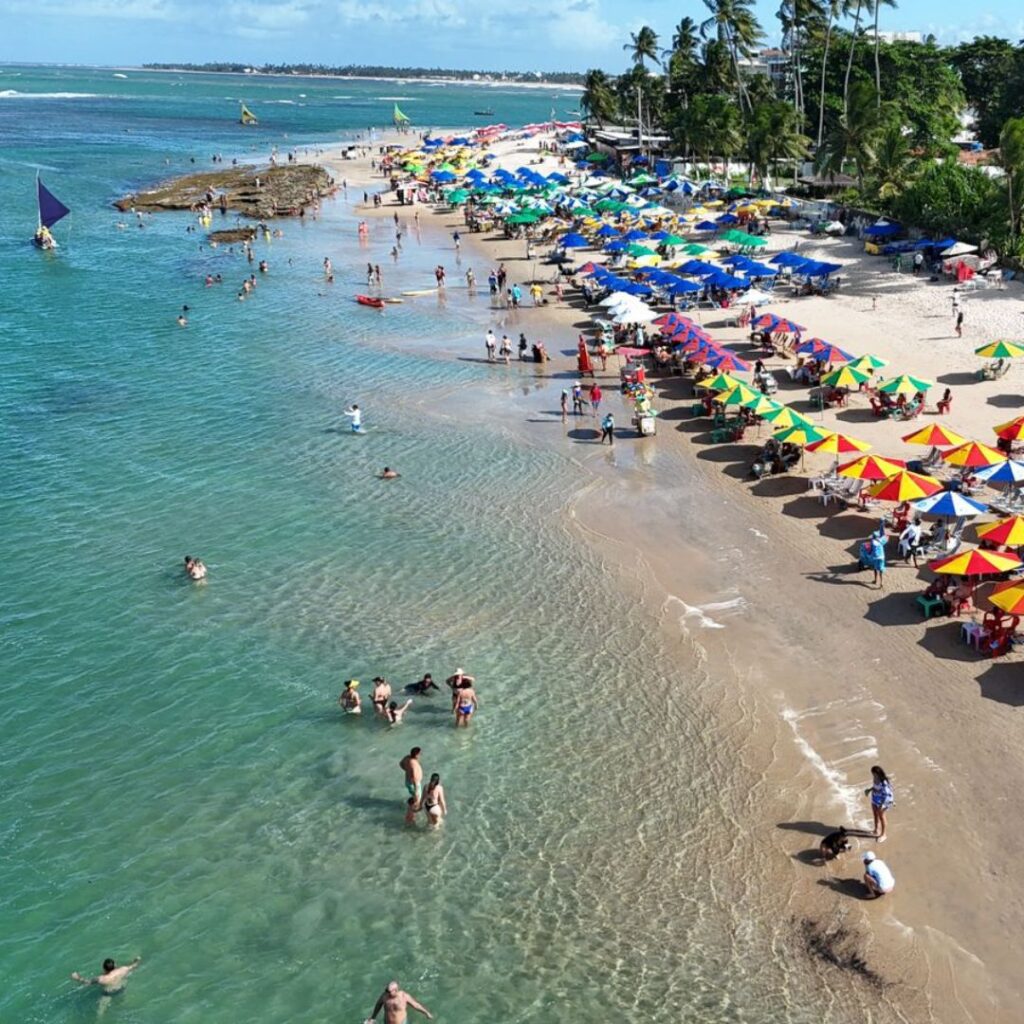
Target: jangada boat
(370, 300)
(246, 116)
(51, 210)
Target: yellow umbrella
(871, 467)
(723, 382)
(936, 435)
(785, 417)
(1007, 531)
(838, 444)
(761, 405)
(905, 384)
(905, 486)
(868, 362)
(802, 435)
(844, 377)
(974, 455)
(741, 394)
(1009, 596)
(1000, 350)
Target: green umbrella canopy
(612, 205)
(673, 240)
(596, 158)
(844, 377)
(639, 250)
(756, 242)
(1000, 350)
(643, 179)
(905, 385)
(695, 249)
(525, 217)
(457, 195)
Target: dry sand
(836, 675)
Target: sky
(526, 35)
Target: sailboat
(400, 119)
(51, 210)
(247, 116)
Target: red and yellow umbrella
(1009, 596)
(838, 444)
(936, 435)
(1012, 430)
(973, 455)
(1007, 531)
(905, 486)
(871, 467)
(975, 562)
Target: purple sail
(51, 209)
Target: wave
(12, 93)
(28, 163)
(286, 103)
(397, 99)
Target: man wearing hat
(877, 876)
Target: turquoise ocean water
(177, 780)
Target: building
(771, 62)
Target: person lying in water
(194, 568)
(111, 978)
(394, 713)
(424, 686)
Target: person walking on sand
(960, 324)
(523, 346)
(111, 978)
(466, 703)
(595, 398)
(878, 879)
(577, 400)
(608, 429)
(881, 799)
(434, 802)
(506, 349)
(565, 405)
(410, 764)
(491, 344)
(395, 1003)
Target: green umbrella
(643, 178)
(525, 217)
(673, 240)
(457, 195)
(844, 377)
(596, 158)
(868, 362)
(756, 242)
(639, 250)
(695, 249)
(610, 205)
(905, 385)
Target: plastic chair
(944, 406)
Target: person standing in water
(112, 978)
(349, 700)
(466, 702)
(881, 799)
(355, 414)
(381, 694)
(455, 681)
(434, 802)
(395, 1003)
(410, 764)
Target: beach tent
(958, 249)
(882, 229)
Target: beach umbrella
(1012, 430)
(871, 467)
(838, 444)
(1000, 350)
(844, 377)
(802, 434)
(722, 382)
(457, 196)
(1009, 596)
(695, 249)
(771, 322)
(525, 217)
(935, 435)
(761, 405)
(739, 395)
(823, 351)
(904, 384)
(636, 249)
(975, 562)
(784, 417)
(949, 504)
(1008, 531)
(1009, 472)
(905, 486)
(673, 240)
(868, 362)
(727, 362)
(973, 455)
(573, 241)
(607, 231)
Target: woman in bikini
(433, 801)
(466, 703)
(381, 695)
(349, 699)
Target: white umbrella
(959, 249)
(758, 297)
(639, 315)
(617, 297)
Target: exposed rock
(259, 192)
(232, 235)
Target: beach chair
(880, 410)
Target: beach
(833, 677)
(679, 694)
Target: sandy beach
(827, 675)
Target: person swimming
(394, 713)
(387, 473)
(194, 568)
(424, 685)
(111, 978)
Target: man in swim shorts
(395, 1002)
(410, 764)
(112, 978)
(381, 695)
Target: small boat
(51, 210)
(400, 119)
(370, 300)
(483, 113)
(247, 116)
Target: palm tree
(736, 26)
(774, 134)
(894, 162)
(1011, 157)
(684, 40)
(861, 5)
(878, 72)
(681, 60)
(597, 98)
(833, 9)
(855, 135)
(796, 16)
(643, 46)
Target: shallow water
(178, 780)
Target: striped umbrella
(1009, 596)
(721, 382)
(801, 435)
(904, 384)
(1011, 430)
(1008, 531)
(973, 455)
(761, 405)
(823, 351)
(1000, 350)
(905, 486)
(949, 504)
(975, 562)
(1009, 472)
(771, 322)
(844, 377)
(727, 362)
(871, 467)
(936, 435)
(739, 395)
(869, 362)
(785, 417)
(838, 444)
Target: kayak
(369, 300)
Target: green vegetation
(837, 96)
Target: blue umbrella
(789, 259)
(617, 246)
(635, 236)
(707, 225)
(607, 231)
(442, 176)
(573, 241)
(695, 268)
(681, 287)
(950, 503)
(1010, 472)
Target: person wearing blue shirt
(878, 878)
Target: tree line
(884, 113)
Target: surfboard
(422, 291)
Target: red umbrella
(771, 322)
(823, 351)
(725, 361)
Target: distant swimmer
(387, 473)
(349, 700)
(396, 713)
(112, 978)
(466, 702)
(328, 269)
(424, 686)
(182, 320)
(410, 764)
(355, 414)
(194, 568)
(381, 694)
(395, 1002)
(433, 801)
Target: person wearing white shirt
(910, 541)
(877, 876)
(355, 414)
